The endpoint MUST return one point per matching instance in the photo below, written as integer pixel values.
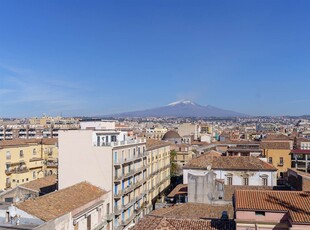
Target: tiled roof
(23, 142)
(229, 190)
(275, 145)
(180, 189)
(213, 153)
(56, 204)
(162, 223)
(296, 203)
(229, 162)
(153, 144)
(278, 137)
(40, 183)
(194, 211)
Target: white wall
(98, 125)
(80, 161)
(254, 176)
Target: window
(21, 153)
(245, 179)
(34, 175)
(265, 181)
(229, 180)
(34, 151)
(260, 213)
(8, 155)
(270, 160)
(281, 161)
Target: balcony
(130, 203)
(129, 160)
(128, 220)
(16, 171)
(52, 164)
(122, 143)
(117, 211)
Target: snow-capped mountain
(183, 108)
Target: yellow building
(277, 154)
(24, 160)
(158, 161)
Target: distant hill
(184, 108)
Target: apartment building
(158, 162)
(110, 160)
(24, 160)
(45, 127)
(135, 172)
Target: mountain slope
(184, 108)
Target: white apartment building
(112, 161)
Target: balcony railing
(16, 171)
(128, 220)
(52, 164)
(117, 210)
(128, 160)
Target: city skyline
(88, 59)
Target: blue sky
(102, 57)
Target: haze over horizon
(83, 58)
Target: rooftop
(229, 162)
(160, 223)
(56, 204)
(154, 144)
(26, 142)
(194, 211)
(296, 203)
(40, 183)
(275, 145)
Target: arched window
(34, 151)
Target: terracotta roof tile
(194, 211)
(40, 183)
(296, 203)
(56, 204)
(275, 145)
(153, 144)
(229, 162)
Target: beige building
(118, 163)
(158, 162)
(26, 160)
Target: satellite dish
(209, 167)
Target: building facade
(26, 160)
(248, 171)
(158, 161)
(118, 163)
